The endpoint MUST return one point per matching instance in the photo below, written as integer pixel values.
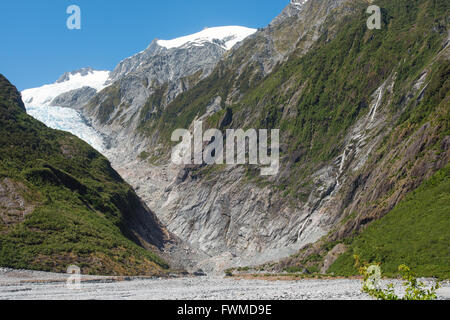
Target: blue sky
(36, 47)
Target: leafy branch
(414, 289)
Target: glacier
(37, 103)
(70, 120)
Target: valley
(364, 145)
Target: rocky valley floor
(32, 285)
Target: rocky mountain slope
(61, 203)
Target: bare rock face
(237, 223)
(332, 256)
(13, 206)
(75, 98)
(66, 76)
(160, 64)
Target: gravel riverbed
(31, 285)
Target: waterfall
(373, 112)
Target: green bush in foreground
(414, 289)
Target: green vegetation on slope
(415, 233)
(315, 98)
(62, 203)
(329, 88)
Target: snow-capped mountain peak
(87, 77)
(82, 72)
(225, 37)
(182, 55)
(59, 105)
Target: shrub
(414, 289)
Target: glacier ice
(70, 120)
(37, 102)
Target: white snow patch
(44, 95)
(298, 3)
(229, 35)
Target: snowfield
(298, 3)
(20, 284)
(228, 37)
(44, 95)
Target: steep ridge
(243, 68)
(131, 111)
(358, 133)
(61, 203)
